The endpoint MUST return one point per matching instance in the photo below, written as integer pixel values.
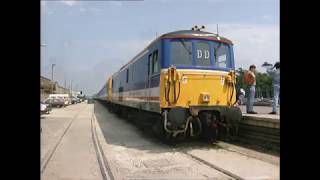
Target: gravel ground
(134, 154)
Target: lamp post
(52, 66)
(71, 89)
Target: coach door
(148, 84)
(153, 70)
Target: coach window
(155, 62)
(127, 75)
(132, 72)
(149, 64)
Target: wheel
(162, 134)
(158, 129)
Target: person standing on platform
(250, 80)
(275, 73)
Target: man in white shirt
(275, 73)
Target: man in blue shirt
(275, 73)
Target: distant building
(48, 87)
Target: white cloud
(69, 2)
(253, 43)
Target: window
(127, 75)
(132, 67)
(203, 54)
(149, 64)
(155, 62)
(181, 53)
(221, 54)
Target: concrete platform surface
(261, 110)
(75, 157)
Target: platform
(262, 120)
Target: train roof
(183, 34)
(196, 34)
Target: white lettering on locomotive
(199, 53)
(206, 54)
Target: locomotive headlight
(184, 79)
(205, 97)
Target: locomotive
(186, 80)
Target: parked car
(45, 108)
(56, 102)
(74, 100)
(78, 100)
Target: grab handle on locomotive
(172, 80)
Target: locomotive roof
(193, 33)
(184, 34)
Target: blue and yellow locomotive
(186, 79)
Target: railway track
(102, 160)
(252, 131)
(51, 152)
(213, 166)
(228, 148)
(107, 172)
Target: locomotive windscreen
(201, 53)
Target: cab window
(155, 62)
(221, 56)
(203, 54)
(181, 52)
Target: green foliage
(264, 86)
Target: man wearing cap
(275, 73)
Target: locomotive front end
(197, 87)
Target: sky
(90, 40)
